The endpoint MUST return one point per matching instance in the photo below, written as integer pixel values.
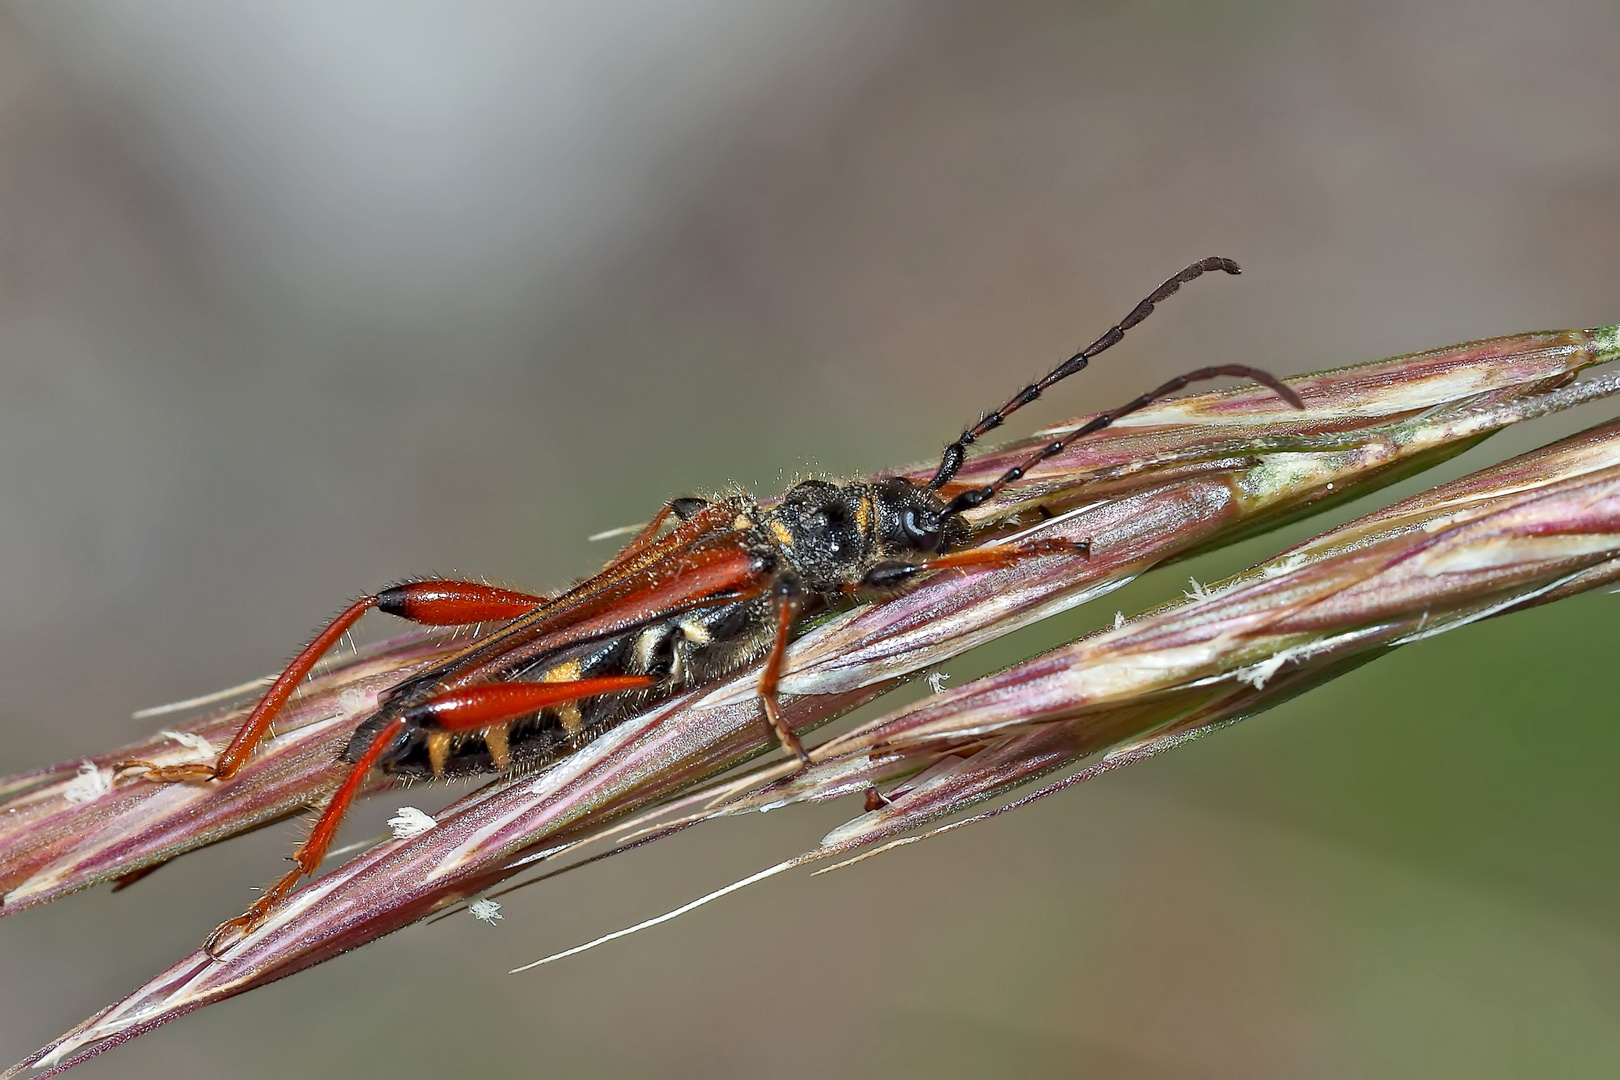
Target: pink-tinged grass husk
(1183, 477)
(79, 823)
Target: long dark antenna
(956, 453)
(974, 496)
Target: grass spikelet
(1183, 477)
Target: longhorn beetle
(706, 588)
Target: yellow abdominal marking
(780, 531)
(742, 523)
(495, 739)
(438, 747)
(568, 672)
(568, 714)
(863, 514)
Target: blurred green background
(299, 298)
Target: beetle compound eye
(922, 530)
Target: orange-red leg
(699, 515)
(432, 603)
(468, 709)
(788, 607)
(474, 707)
(889, 575)
(313, 849)
(643, 539)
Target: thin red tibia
(313, 849)
(787, 613)
(258, 721)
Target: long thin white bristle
(622, 530)
(664, 918)
(207, 699)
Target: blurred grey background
(299, 298)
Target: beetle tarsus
(169, 774)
